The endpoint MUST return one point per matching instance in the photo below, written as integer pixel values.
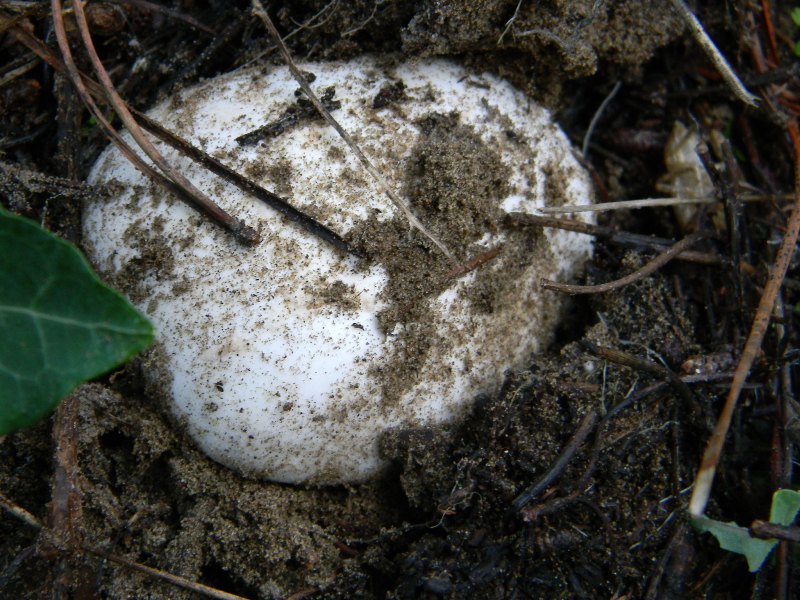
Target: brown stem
(651, 267)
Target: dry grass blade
(650, 203)
(245, 234)
(19, 512)
(708, 467)
(708, 46)
(596, 118)
(624, 204)
(258, 10)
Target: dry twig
(175, 580)
(576, 441)
(245, 234)
(651, 267)
(623, 238)
(708, 467)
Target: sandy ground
(442, 522)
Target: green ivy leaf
(731, 537)
(785, 506)
(737, 539)
(796, 15)
(59, 324)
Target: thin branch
(628, 360)
(576, 441)
(655, 264)
(364, 23)
(258, 10)
(18, 71)
(623, 238)
(248, 186)
(765, 530)
(244, 233)
(82, 85)
(175, 580)
(714, 54)
(26, 517)
(708, 467)
(86, 86)
(473, 264)
(652, 202)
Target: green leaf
(797, 49)
(737, 539)
(796, 15)
(731, 537)
(785, 506)
(59, 324)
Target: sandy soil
(443, 522)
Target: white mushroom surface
(290, 359)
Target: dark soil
(448, 520)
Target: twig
(243, 233)
(219, 40)
(248, 186)
(575, 442)
(8, 572)
(65, 511)
(173, 14)
(676, 541)
(714, 54)
(87, 86)
(18, 71)
(765, 530)
(472, 264)
(175, 580)
(623, 238)
(535, 512)
(258, 10)
(307, 24)
(655, 264)
(596, 117)
(708, 467)
(19, 512)
(633, 362)
(363, 24)
(83, 84)
(651, 202)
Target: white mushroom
(289, 360)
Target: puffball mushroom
(289, 360)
